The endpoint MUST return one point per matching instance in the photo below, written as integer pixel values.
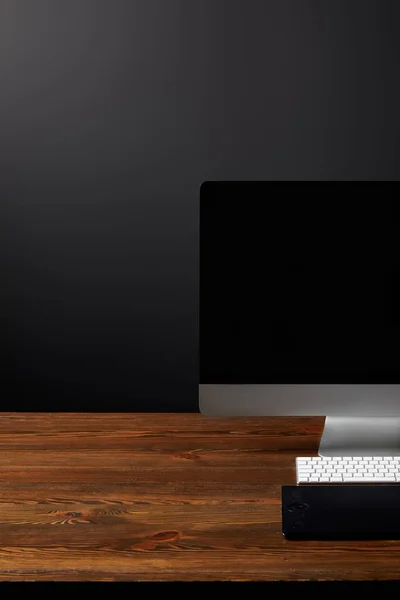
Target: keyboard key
(369, 480)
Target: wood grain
(123, 497)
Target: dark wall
(112, 113)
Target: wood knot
(164, 536)
(189, 456)
(154, 540)
(73, 515)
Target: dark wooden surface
(162, 497)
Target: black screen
(299, 283)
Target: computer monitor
(300, 307)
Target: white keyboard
(348, 469)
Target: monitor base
(360, 436)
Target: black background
(111, 116)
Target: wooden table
(162, 497)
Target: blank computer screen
(299, 283)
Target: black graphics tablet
(328, 512)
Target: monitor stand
(360, 436)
